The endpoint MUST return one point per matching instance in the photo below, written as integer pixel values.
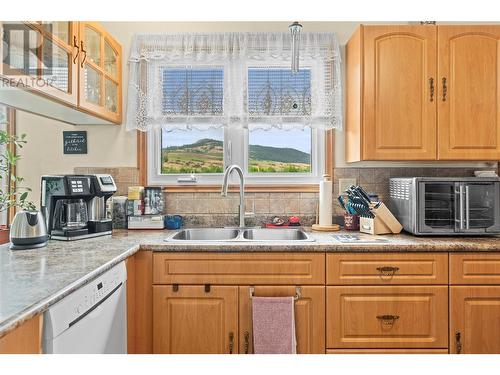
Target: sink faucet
(225, 184)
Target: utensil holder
(351, 222)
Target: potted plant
(12, 194)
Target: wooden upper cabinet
(100, 72)
(191, 320)
(474, 319)
(391, 97)
(43, 57)
(469, 91)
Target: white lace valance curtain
(179, 81)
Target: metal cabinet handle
(445, 88)
(388, 320)
(388, 270)
(461, 206)
(231, 342)
(431, 89)
(84, 53)
(246, 336)
(75, 45)
(467, 207)
(458, 342)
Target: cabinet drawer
(387, 351)
(234, 269)
(387, 317)
(475, 268)
(387, 269)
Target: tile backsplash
(210, 209)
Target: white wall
(111, 145)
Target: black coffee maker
(74, 206)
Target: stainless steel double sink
(240, 235)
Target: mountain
(279, 154)
(257, 152)
(203, 144)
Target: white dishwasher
(93, 319)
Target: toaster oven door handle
(467, 208)
(461, 206)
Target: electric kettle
(28, 231)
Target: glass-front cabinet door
(42, 56)
(100, 72)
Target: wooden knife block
(384, 222)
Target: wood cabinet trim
(140, 302)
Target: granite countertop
(33, 280)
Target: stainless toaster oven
(446, 206)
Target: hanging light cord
(295, 31)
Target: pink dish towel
(274, 325)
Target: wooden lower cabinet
(193, 320)
(475, 319)
(387, 351)
(475, 268)
(25, 339)
(140, 303)
(387, 317)
(309, 316)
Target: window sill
(303, 188)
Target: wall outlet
(344, 183)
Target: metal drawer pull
(445, 88)
(75, 45)
(84, 51)
(231, 342)
(388, 319)
(431, 89)
(298, 292)
(388, 270)
(247, 341)
(458, 342)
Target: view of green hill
(284, 155)
(206, 156)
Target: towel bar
(298, 292)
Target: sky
(296, 138)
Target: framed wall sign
(75, 142)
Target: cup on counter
(351, 222)
(173, 221)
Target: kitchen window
(206, 101)
(198, 154)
